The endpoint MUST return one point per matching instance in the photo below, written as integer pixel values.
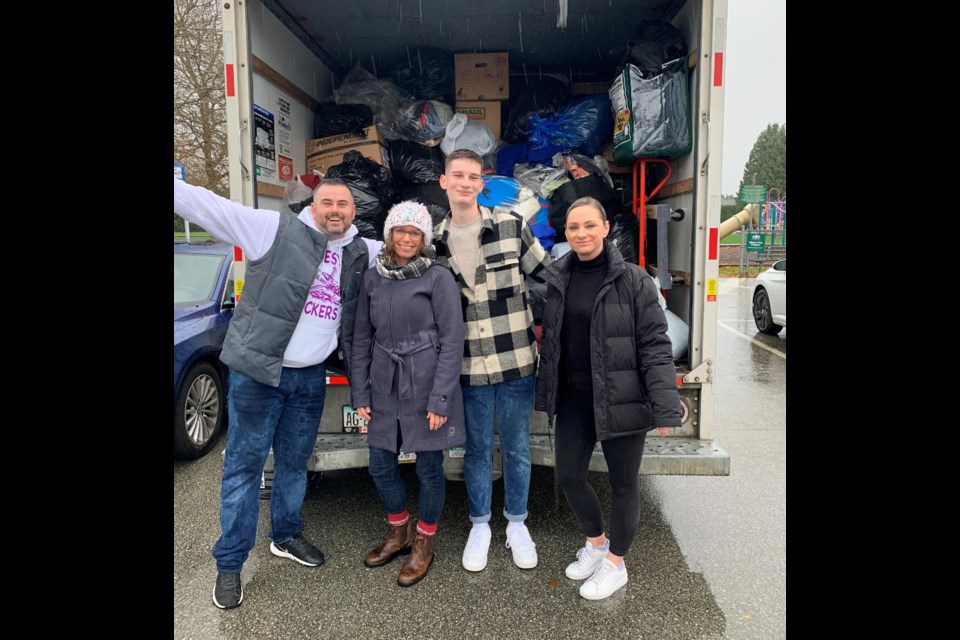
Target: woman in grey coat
(405, 380)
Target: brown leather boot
(398, 543)
(417, 565)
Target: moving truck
(284, 58)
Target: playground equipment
(774, 216)
(748, 215)
(765, 224)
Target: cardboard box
(325, 145)
(484, 111)
(323, 153)
(373, 150)
(589, 88)
(482, 76)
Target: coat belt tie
(397, 364)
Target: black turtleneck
(586, 276)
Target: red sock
(426, 530)
(398, 519)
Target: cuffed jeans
(512, 403)
(286, 417)
(385, 471)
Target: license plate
(406, 457)
(352, 422)
(455, 452)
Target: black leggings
(576, 438)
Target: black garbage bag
(428, 75)
(592, 185)
(625, 235)
(657, 42)
(431, 195)
(360, 86)
(367, 228)
(332, 119)
(373, 191)
(423, 121)
(415, 163)
(542, 97)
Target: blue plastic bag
(585, 124)
(499, 191)
(545, 234)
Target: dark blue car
(203, 304)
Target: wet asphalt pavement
(709, 559)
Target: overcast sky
(756, 81)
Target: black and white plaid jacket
(500, 343)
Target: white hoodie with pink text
(254, 231)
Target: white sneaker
(604, 581)
(521, 544)
(587, 560)
(475, 553)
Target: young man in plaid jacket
(488, 252)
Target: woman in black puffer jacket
(606, 373)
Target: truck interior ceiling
(584, 40)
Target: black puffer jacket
(634, 378)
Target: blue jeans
(512, 402)
(385, 471)
(286, 417)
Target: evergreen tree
(767, 164)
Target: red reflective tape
(714, 241)
(337, 380)
(230, 87)
(679, 381)
(718, 69)
(237, 254)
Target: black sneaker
(228, 592)
(297, 548)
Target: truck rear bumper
(671, 456)
(678, 456)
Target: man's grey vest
(273, 296)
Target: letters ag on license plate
(352, 422)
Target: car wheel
(199, 411)
(762, 315)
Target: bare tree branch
(199, 99)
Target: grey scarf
(413, 269)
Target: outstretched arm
(253, 230)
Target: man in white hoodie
(299, 299)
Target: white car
(770, 299)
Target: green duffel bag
(651, 115)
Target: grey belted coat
(407, 353)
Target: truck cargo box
(293, 54)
